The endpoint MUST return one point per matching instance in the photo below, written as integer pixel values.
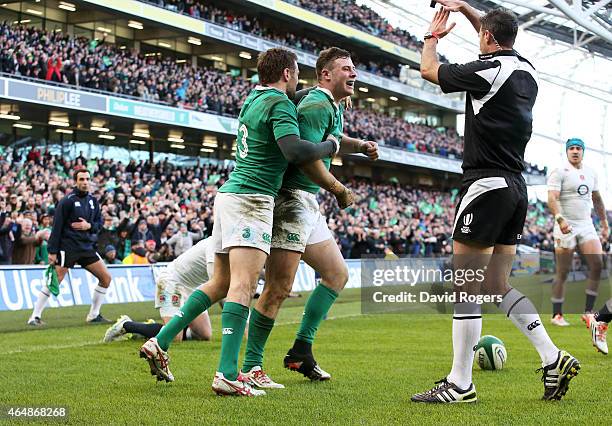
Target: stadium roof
(582, 24)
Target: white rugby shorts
(298, 221)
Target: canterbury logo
(293, 238)
(179, 314)
(227, 330)
(467, 219)
(533, 325)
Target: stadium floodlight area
(583, 24)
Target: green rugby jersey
(318, 116)
(266, 116)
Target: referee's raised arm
(429, 56)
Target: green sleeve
(314, 120)
(283, 118)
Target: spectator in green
(42, 254)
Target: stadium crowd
(98, 65)
(363, 19)
(394, 219)
(155, 212)
(94, 64)
(393, 131)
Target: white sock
(41, 302)
(188, 334)
(523, 314)
(96, 301)
(467, 325)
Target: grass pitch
(377, 362)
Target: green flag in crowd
(454, 193)
(213, 179)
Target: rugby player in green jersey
(300, 231)
(268, 139)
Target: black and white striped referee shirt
(501, 90)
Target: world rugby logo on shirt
(467, 220)
(582, 189)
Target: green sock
(197, 303)
(233, 321)
(260, 327)
(317, 306)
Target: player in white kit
(175, 284)
(572, 190)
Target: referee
(501, 89)
(76, 224)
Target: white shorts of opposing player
(182, 277)
(576, 187)
(170, 295)
(582, 231)
(298, 221)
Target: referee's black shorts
(492, 208)
(83, 258)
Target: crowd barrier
(20, 285)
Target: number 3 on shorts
(243, 148)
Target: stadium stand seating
(94, 64)
(363, 19)
(388, 217)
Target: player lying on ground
(175, 284)
(76, 224)
(571, 189)
(300, 231)
(597, 323)
(268, 139)
(501, 90)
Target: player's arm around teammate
(317, 117)
(318, 173)
(349, 145)
(299, 228)
(268, 137)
